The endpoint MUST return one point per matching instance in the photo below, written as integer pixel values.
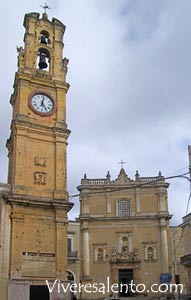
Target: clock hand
(42, 101)
(45, 106)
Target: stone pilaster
(61, 249)
(85, 252)
(108, 203)
(164, 249)
(138, 204)
(17, 220)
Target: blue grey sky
(130, 77)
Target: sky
(130, 88)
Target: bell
(42, 63)
(43, 40)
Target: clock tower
(38, 197)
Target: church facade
(124, 232)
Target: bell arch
(43, 59)
(44, 37)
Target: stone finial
(137, 174)
(108, 176)
(160, 174)
(85, 176)
(65, 62)
(21, 52)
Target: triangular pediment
(122, 177)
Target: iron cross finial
(122, 162)
(45, 7)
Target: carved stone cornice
(23, 121)
(98, 218)
(39, 202)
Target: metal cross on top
(45, 7)
(122, 163)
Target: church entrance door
(125, 276)
(39, 292)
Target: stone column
(85, 253)
(164, 250)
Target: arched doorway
(70, 277)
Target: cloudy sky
(130, 94)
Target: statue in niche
(150, 253)
(99, 254)
(125, 244)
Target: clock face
(42, 103)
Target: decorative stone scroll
(40, 178)
(40, 161)
(125, 256)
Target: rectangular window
(69, 245)
(123, 208)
